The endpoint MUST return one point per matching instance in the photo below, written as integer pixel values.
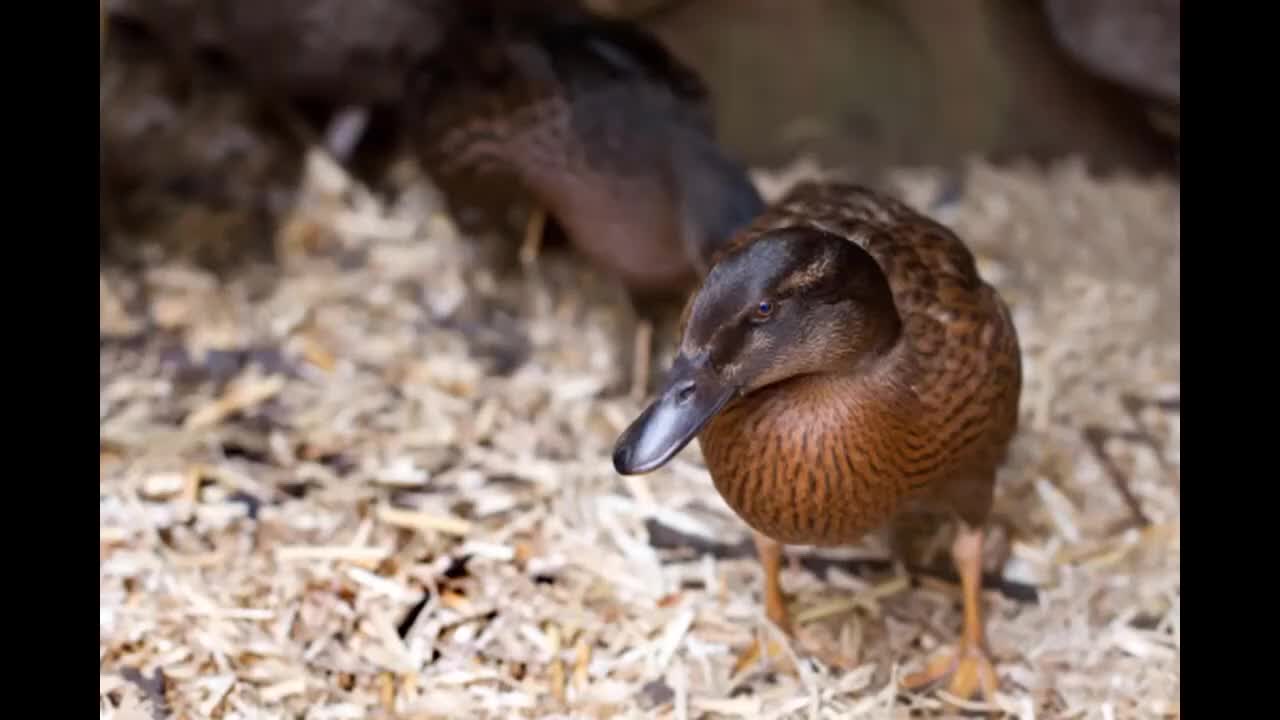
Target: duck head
(785, 303)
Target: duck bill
(693, 394)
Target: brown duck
(595, 121)
(844, 366)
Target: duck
(601, 128)
(844, 367)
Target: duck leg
(533, 232)
(638, 331)
(641, 357)
(967, 666)
(775, 604)
(816, 645)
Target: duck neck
(879, 382)
(876, 352)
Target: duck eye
(764, 310)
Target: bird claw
(967, 669)
(807, 645)
(773, 652)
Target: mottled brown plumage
(844, 366)
(595, 120)
(606, 132)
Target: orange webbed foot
(774, 655)
(966, 669)
(806, 645)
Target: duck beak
(692, 396)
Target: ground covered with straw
(373, 480)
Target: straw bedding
(373, 481)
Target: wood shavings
(383, 586)
(737, 707)
(866, 600)
(331, 552)
(492, 551)
(582, 661)
(1060, 510)
(243, 394)
(423, 521)
(672, 637)
(273, 694)
(401, 472)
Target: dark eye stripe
(728, 343)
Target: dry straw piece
(392, 496)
